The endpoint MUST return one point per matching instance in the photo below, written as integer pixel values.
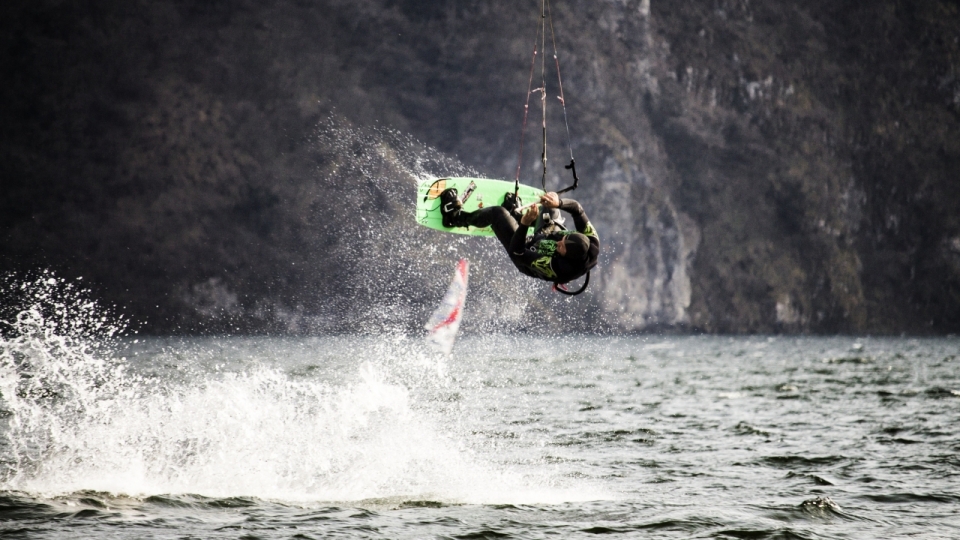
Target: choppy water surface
(513, 437)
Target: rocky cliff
(751, 166)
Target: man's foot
(451, 209)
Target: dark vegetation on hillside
(853, 150)
(782, 166)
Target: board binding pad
(475, 193)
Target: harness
(545, 273)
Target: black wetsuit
(537, 256)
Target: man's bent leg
(504, 226)
(498, 219)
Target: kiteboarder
(552, 253)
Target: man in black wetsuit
(551, 254)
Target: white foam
(84, 420)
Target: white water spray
(80, 418)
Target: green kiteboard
(474, 193)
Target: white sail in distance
(445, 322)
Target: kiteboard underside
(485, 192)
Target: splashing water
(660, 437)
(43, 385)
(79, 417)
(404, 265)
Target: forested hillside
(250, 166)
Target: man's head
(574, 247)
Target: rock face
(812, 134)
(774, 166)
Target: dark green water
(513, 437)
